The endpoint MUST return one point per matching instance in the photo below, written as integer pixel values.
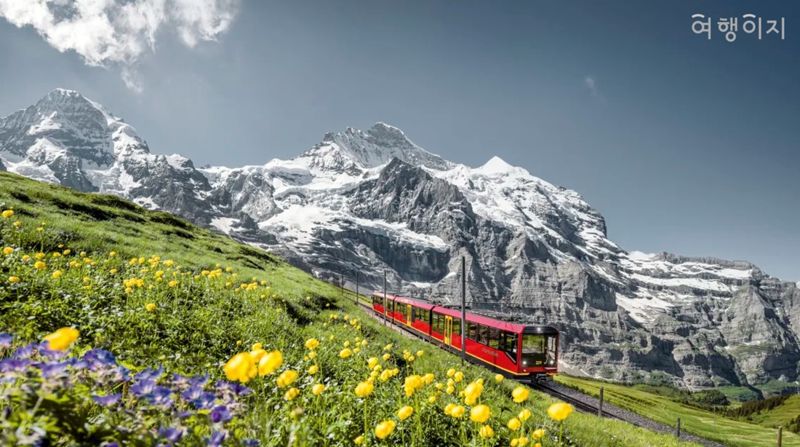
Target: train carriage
(511, 348)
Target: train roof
(480, 319)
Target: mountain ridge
(373, 201)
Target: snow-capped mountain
(373, 202)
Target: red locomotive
(512, 349)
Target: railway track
(582, 402)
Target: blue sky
(685, 145)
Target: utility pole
(463, 310)
(384, 297)
(356, 300)
(600, 408)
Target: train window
(552, 347)
(483, 335)
(494, 338)
(456, 326)
(472, 331)
(508, 344)
(534, 350)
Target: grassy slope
(779, 415)
(693, 420)
(199, 327)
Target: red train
(512, 349)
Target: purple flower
(47, 353)
(203, 401)
(143, 388)
(54, 370)
(171, 434)
(216, 439)
(99, 358)
(108, 400)
(25, 351)
(236, 388)
(161, 396)
(14, 365)
(150, 374)
(5, 340)
(220, 413)
(251, 443)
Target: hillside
(755, 432)
(373, 201)
(149, 291)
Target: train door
(448, 330)
(408, 315)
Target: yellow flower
(432, 399)
(514, 424)
(291, 393)
(420, 353)
(486, 432)
(7, 214)
(173, 283)
(313, 369)
(559, 411)
(480, 413)
(522, 441)
(372, 362)
(449, 408)
(384, 429)
(57, 274)
(359, 440)
(405, 412)
(238, 367)
(364, 389)
(40, 265)
(8, 250)
(520, 394)
(62, 338)
(257, 354)
(256, 346)
(538, 433)
(472, 392)
(498, 378)
(412, 383)
(524, 415)
(312, 343)
(270, 363)
(458, 376)
(386, 357)
(317, 389)
(457, 411)
(286, 378)
(150, 307)
(13, 279)
(451, 372)
(345, 353)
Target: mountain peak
(498, 166)
(375, 147)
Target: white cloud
(591, 84)
(117, 32)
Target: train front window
(538, 350)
